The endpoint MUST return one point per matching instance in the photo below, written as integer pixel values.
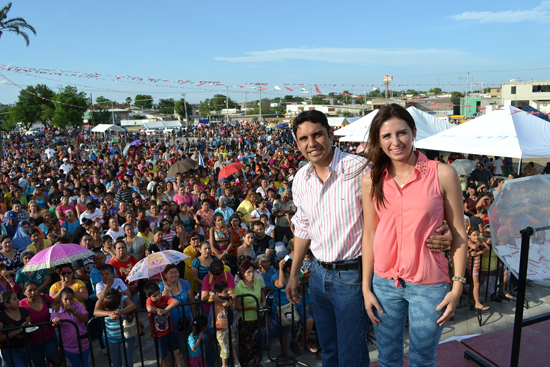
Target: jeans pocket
(350, 277)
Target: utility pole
(227, 102)
(260, 102)
(185, 106)
(92, 100)
(467, 83)
(245, 102)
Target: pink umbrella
(63, 253)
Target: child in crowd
(75, 312)
(162, 329)
(114, 306)
(107, 247)
(198, 334)
(473, 264)
(223, 312)
(309, 263)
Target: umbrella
(280, 126)
(63, 253)
(463, 166)
(182, 166)
(229, 170)
(154, 264)
(126, 149)
(135, 142)
(271, 125)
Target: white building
(535, 93)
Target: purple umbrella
(55, 255)
(135, 142)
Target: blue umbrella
(135, 142)
(280, 126)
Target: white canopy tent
(337, 121)
(102, 128)
(426, 125)
(506, 132)
(360, 126)
(158, 125)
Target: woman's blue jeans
(15, 357)
(116, 352)
(340, 316)
(419, 302)
(41, 350)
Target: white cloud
(364, 56)
(539, 14)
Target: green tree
(166, 106)
(6, 123)
(457, 94)
(34, 105)
(319, 99)
(101, 116)
(435, 91)
(143, 101)
(128, 101)
(412, 91)
(70, 112)
(18, 26)
(102, 101)
(138, 117)
(180, 109)
(205, 107)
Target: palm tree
(15, 25)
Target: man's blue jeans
(340, 316)
(419, 302)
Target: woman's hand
(56, 321)
(449, 303)
(166, 291)
(370, 302)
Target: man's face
(86, 242)
(259, 231)
(315, 142)
(99, 260)
(479, 167)
(16, 208)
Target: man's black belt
(340, 265)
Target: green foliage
(6, 124)
(138, 117)
(30, 108)
(412, 91)
(128, 101)
(166, 106)
(435, 91)
(319, 99)
(180, 109)
(289, 98)
(101, 116)
(18, 26)
(143, 101)
(104, 102)
(216, 103)
(65, 115)
(457, 94)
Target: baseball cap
(11, 215)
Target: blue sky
(297, 42)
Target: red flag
(317, 89)
(289, 89)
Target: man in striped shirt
(125, 193)
(329, 219)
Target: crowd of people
(122, 201)
(81, 188)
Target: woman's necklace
(395, 178)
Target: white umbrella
(463, 166)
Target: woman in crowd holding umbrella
(38, 306)
(41, 277)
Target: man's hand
(440, 242)
(292, 290)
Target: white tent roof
(161, 124)
(101, 128)
(507, 132)
(337, 121)
(359, 127)
(426, 125)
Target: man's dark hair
(317, 117)
(258, 224)
(107, 267)
(90, 206)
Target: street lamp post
(185, 106)
(227, 101)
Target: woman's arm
(370, 219)
(191, 298)
(54, 294)
(230, 241)
(195, 274)
(45, 285)
(452, 196)
(81, 294)
(129, 307)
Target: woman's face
(121, 250)
(26, 259)
(129, 230)
(123, 206)
(196, 187)
(396, 139)
(31, 291)
(95, 235)
(173, 275)
(235, 222)
(205, 207)
(67, 300)
(169, 186)
(248, 238)
(25, 228)
(474, 236)
(173, 206)
(219, 222)
(206, 250)
(182, 190)
(195, 242)
(249, 274)
(265, 263)
(154, 209)
(7, 244)
(66, 274)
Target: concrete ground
(465, 322)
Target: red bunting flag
(287, 88)
(317, 89)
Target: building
(293, 110)
(521, 94)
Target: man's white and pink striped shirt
(330, 214)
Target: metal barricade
(276, 314)
(200, 310)
(11, 359)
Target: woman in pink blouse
(405, 198)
